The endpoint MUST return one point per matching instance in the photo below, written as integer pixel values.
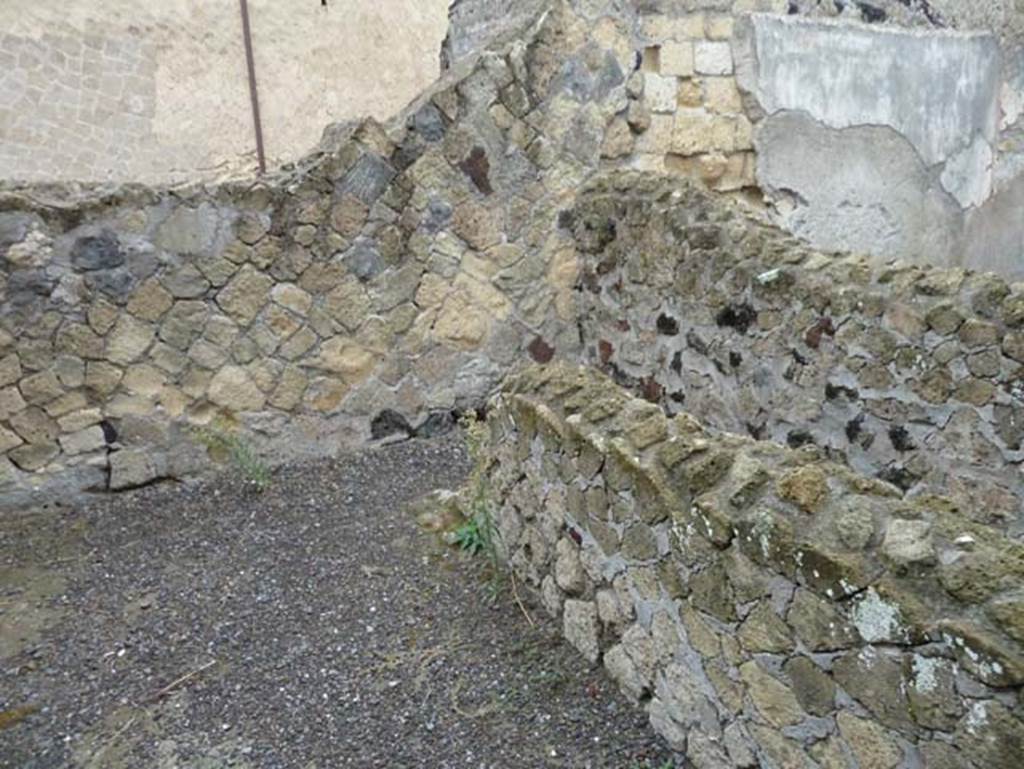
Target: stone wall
(766, 607)
(96, 90)
(695, 121)
(477, 24)
(390, 279)
(908, 374)
(787, 106)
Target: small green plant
(220, 439)
(470, 537)
(478, 534)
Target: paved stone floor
(313, 625)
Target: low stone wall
(767, 607)
(909, 374)
(390, 278)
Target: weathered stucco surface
(879, 139)
(891, 128)
(994, 238)
(119, 90)
(836, 189)
(937, 89)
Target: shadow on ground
(312, 625)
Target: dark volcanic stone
(408, 152)
(871, 13)
(900, 477)
(854, 428)
(650, 390)
(797, 438)
(116, 284)
(822, 327)
(26, 286)
(900, 438)
(387, 423)
(437, 423)
(478, 168)
(109, 431)
(429, 123)
(367, 179)
(738, 316)
(677, 362)
(836, 391)
(540, 350)
(695, 343)
(364, 261)
(97, 252)
(14, 226)
(439, 213)
(667, 325)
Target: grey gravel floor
(313, 625)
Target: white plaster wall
(938, 89)
(886, 140)
(121, 89)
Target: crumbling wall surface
(951, 93)
(1004, 17)
(832, 91)
(994, 234)
(393, 277)
(767, 607)
(889, 128)
(909, 374)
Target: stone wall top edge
(925, 612)
(898, 278)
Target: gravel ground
(313, 625)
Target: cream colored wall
(125, 89)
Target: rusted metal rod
(253, 94)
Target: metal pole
(253, 95)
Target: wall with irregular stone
(787, 106)
(393, 277)
(96, 90)
(766, 607)
(909, 374)
(477, 24)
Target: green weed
(470, 537)
(220, 439)
(478, 534)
